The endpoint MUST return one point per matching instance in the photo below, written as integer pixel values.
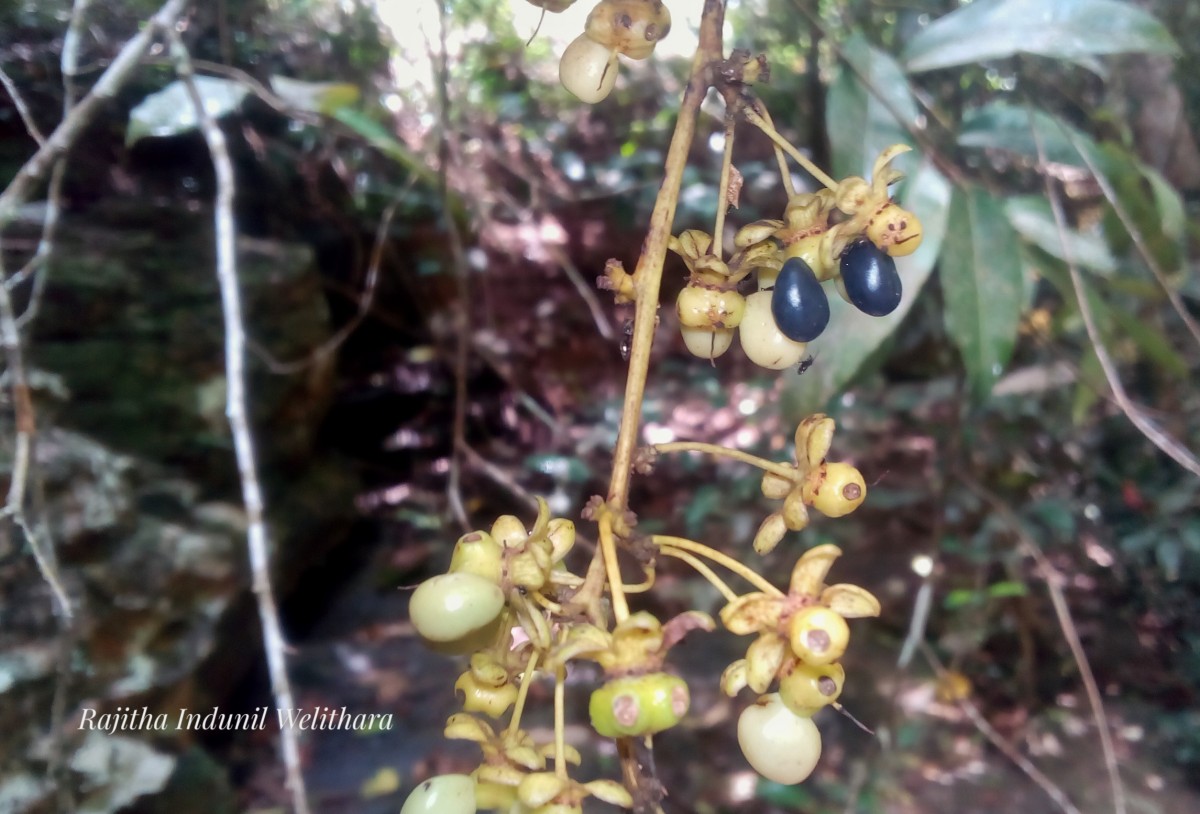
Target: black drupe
(798, 303)
(871, 280)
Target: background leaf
(859, 120)
(1033, 219)
(1072, 30)
(1010, 128)
(982, 283)
(170, 111)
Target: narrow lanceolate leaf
(1021, 130)
(870, 107)
(170, 112)
(1071, 30)
(981, 281)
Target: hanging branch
(236, 410)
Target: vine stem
(514, 723)
(723, 201)
(782, 470)
(647, 280)
(701, 569)
(799, 157)
(744, 571)
(237, 412)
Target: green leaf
(1128, 324)
(1033, 219)
(170, 112)
(869, 105)
(852, 336)
(1003, 590)
(1010, 128)
(983, 286)
(315, 97)
(1071, 30)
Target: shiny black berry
(870, 277)
(798, 303)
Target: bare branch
(1157, 436)
(65, 135)
(1054, 582)
(22, 109)
(236, 411)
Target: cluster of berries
(850, 234)
(588, 67)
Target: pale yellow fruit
(763, 342)
(777, 743)
(588, 69)
(707, 344)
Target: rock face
(135, 487)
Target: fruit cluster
(850, 233)
(801, 637)
(588, 67)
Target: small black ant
(627, 340)
(805, 364)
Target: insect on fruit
(805, 364)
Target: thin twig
(27, 119)
(1157, 436)
(1135, 235)
(65, 135)
(236, 411)
(1054, 582)
(365, 300)
(988, 731)
(462, 278)
(37, 265)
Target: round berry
(871, 280)
(633, 27)
(818, 635)
(835, 489)
(707, 344)
(798, 303)
(764, 344)
(778, 744)
(806, 688)
(639, 705)
(478, 553)
(588, 69)
(701, 307)
(895, 230)
(444, 794)
(451, 607)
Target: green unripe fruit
(818, 635)
(452, 607)
(444, 794)
(778, 744)
(806, 688)
(639, 705)
(478, 553)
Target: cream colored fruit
(763, 342)
(777, 743)
(588, 69)
(707, 344)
